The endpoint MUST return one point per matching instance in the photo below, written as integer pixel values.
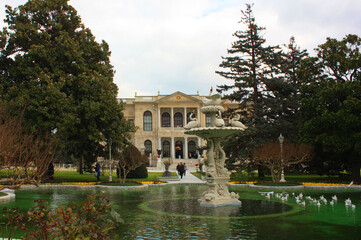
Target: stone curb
(295, 187)
(10, 195)
(277, 187)
(81, 186)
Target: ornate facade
(160, 120)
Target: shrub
(243, 176)
(91, 219)
(139, 172)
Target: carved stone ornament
(217, 176)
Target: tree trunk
(124, 175)
(260, 172)
(275, 177)
(81, 164)
(355, 171)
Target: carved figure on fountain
(236, 123)
(219, 122)
(213, 100)
(193, 123)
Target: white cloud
(174, 45)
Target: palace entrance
(179, 150)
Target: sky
(177, 45)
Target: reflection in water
(192, 207)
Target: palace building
(160, 119)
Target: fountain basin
(216, 132)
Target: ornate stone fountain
(217, 176)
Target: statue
(217, 175)
(213, 100)
(193, 123)
(236, 123)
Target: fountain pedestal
(217, 176)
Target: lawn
(299, 178)
(73, 176)
(199, 174)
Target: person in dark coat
(184, 169)
(97, 171)
(180, 169)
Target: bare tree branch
(24, 157)
(269, 155)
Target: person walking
(97, 171)
(184, 169)
(180, 169)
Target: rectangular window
(208, 120)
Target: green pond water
(172, 212)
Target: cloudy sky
(176, 45)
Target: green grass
(73, 176)
(299, 178)
(117, 183)
(2, 194)
(198, 174)
(278, 184)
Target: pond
(172, 212)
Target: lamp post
(159, 159)
(110, 160)
(280, 139)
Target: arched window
(166, 149)
(165, 120)
(178, 120)
(192, 149)
(147, 147)
(147, 121)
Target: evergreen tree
(266, 85)
(247, 66)
(284, 91)
(331, 105)
(52, 67)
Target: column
(172, 118)
(185, 148)
(199, 116)
(185, 117)
(159, 143)
(172, 149)
(159, 160)
(159, 124)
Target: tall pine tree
(247, 66)
(265, 83)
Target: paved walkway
(188, 178)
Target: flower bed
(71, 183)
(326, 184)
